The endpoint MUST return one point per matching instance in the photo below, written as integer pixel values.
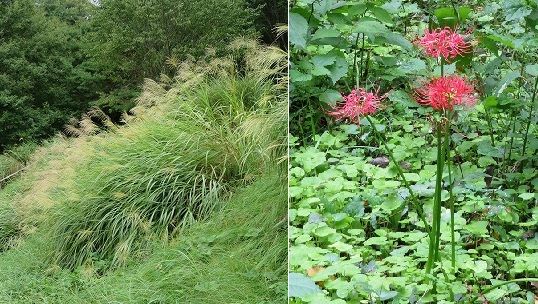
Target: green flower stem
(512, 114)
(355, 67)
(490, 126)
(451, 196)
(451, 293)
(513, 123)
(382, 139)
(358, 80)
(474, 298)
(530, 116)
(433, 250)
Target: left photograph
(143, 151)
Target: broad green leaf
(391, 203)
(505, 82)
(532, 70)
(301, 286)
(403, 98)
(298, 30)
(485, 161)
(355, 9)
(490, 102)
(328, 36)
(448, 17)
(323, 6)
(324, 231)
(297, 76)
(495, 294)
(412, 66)
(398, 39)
(412, 177)
(330, 97)
(526, 196)
(325, 33)
(369, 27)
(386, 294)
(338, 69)
(505, 40)
(479, 228)
(380, 14)
(323, 60)
(377, 240)
(515, 10)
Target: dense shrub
(43, 80)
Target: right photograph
(413, 152)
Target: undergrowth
(167, 171)
(178, 205)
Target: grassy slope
(237, 255)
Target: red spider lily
(443, 43)
(358, 103)
(446, 92)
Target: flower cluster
(444, 93)
(443, 43)
(358, 103)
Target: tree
(42, 81)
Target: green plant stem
(358, 76)
(433, 250)
(382, 139)
(451, 196)
(451, 293)
(490, 126)
(513, 123)
(355, 55)
(456, 12)
(430, 15)
(474, 298)
(312, 124)
(530, 117)
(512, 114)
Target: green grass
(13, 160)
(185, 204)
(164, 173)
(236, 256)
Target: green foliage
(59, 57)
(354, 233)
(161, 175)
(42, 81)
(13, 161)
(327, 43)
(271, 14)
(241, 245)
(9, 227)
(221, 118)
(132, 40)
(353, 230)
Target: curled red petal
(446, 92)
(357, 104)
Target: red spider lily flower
(446, 92)
(443, 43)
(358, 103)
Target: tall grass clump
(201, 138)
(12, 161)
(9, 227)
(238, 255)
